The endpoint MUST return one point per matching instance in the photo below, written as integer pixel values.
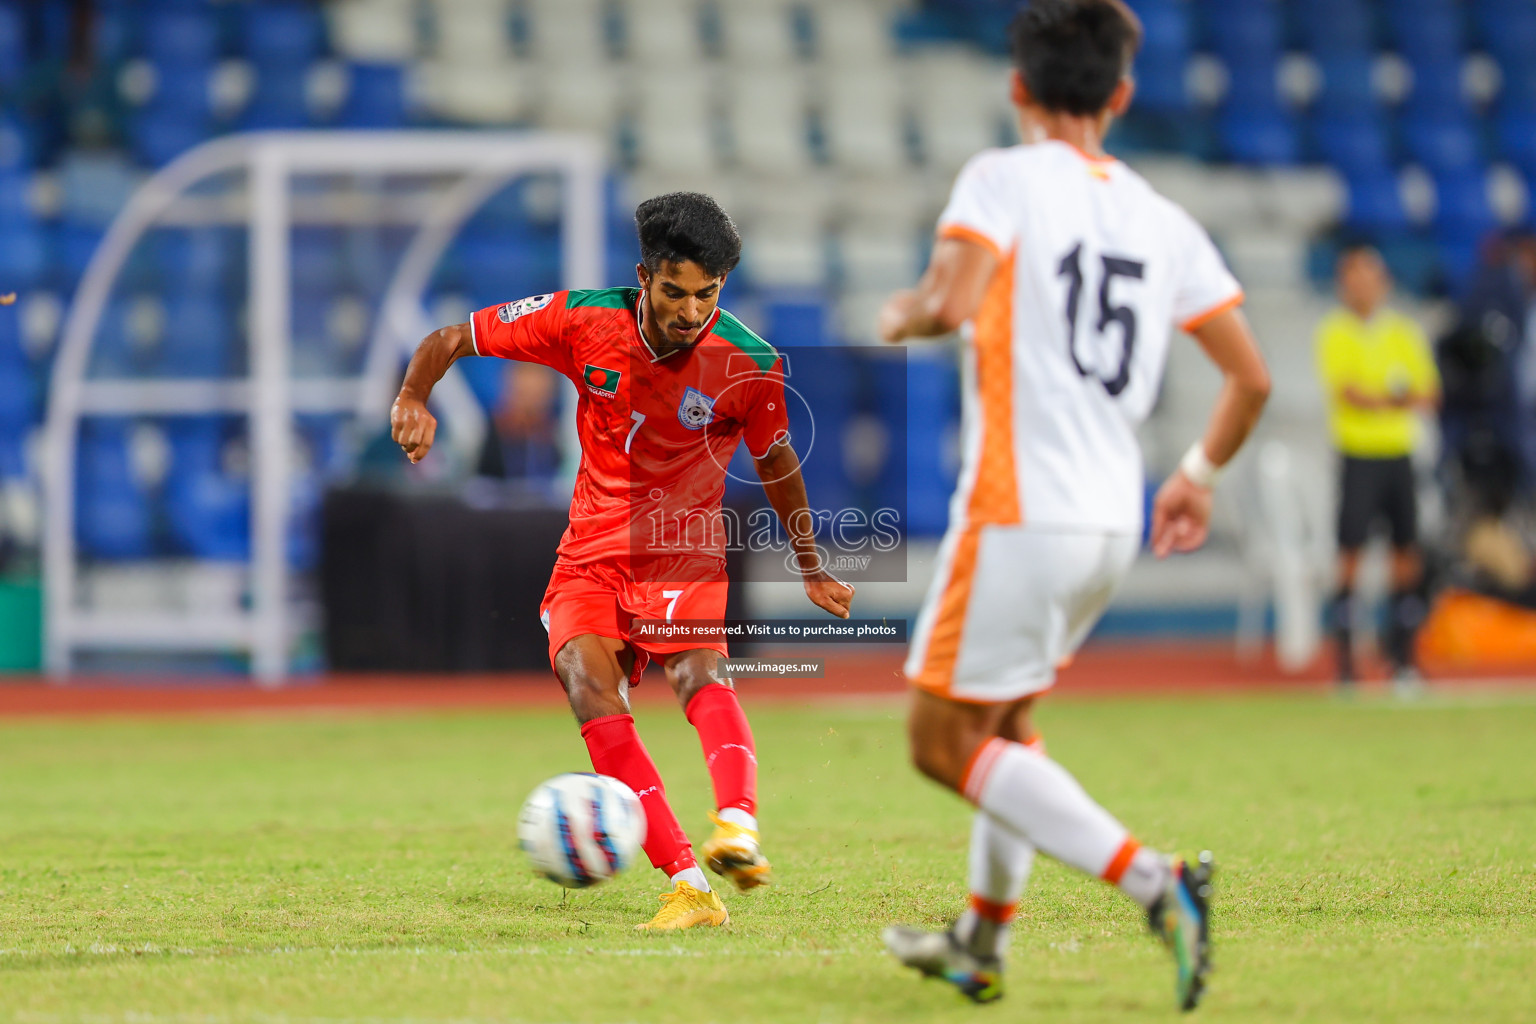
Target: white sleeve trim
(474, 341)
(777, 442)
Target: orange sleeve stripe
(994, 496)
(964, 234)
(998, 913)
(1120, 861)
(1201, 319)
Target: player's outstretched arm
(1181, 513)
(948, 295)
(779, 471)
(410, 424)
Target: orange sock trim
(1120, 861)
(997, 913)
(974, 779)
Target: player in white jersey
(1068, 273)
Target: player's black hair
(687, 226)
(1072, 53)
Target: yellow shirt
(1383, 357)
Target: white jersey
(1064, 358)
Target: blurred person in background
(1378, 378)
(524, 441)
(1488, 414)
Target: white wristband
(1198, 467)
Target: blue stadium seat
(23, 254)
(18, 142)
(1516, 134)
(161, 136)
(184, 89)
(189, 36)
(1353, 144)
(1437, 91)
(1160, 82)
(200, 259)
(314, 353)
(821, 376)
(1375, 203)
(1243, 31)
(487, 378)
(113, 30)
(790, 322)
(1462, 210)
(1348, 90)
(112, 351)
(375, 98)
(207, 509)
(285, 34)
(18, 395)
(113, 518)
(1518, 92)
(318, 257)
(199, 337)
(1442, 145)
(1506, 29)
(13, 45)
(497, 265)
(620, 256)
(1327, 24)
(1426, 30)
(1259, 136)
(1459, 259)
(280, 99)
(73, 244)
(931, 390)
(1166, 26)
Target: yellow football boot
(686, 907)
(733, 853)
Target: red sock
(729, 753)
(617, 751)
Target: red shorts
(597, 598)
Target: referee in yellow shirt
(1378, 378)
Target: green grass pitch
(1378, 863)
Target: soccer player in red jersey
(669, 385)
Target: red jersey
(656, 433)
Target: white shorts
(1008, 605)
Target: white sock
(737, 816)
(1042, 802)
(694, 876)
(1000, 861)
(1146, 877)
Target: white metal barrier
(269, 396)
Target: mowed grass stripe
(1378, 863)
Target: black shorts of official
(1374, 490)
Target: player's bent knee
(690, 674)
(592, 698)
(594, 681)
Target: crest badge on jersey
(695, 410)
(522, 307)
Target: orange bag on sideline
(1467, 630)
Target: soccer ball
(580, 829)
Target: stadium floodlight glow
(269, 397)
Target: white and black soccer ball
(580, 829)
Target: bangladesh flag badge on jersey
(600, 381)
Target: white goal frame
(268, 396)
